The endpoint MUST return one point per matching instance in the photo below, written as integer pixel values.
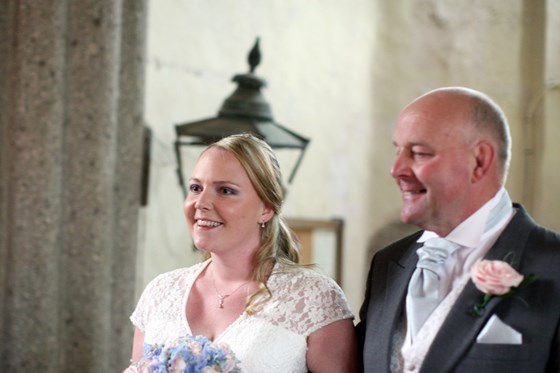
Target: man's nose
(400, 165)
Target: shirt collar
(469, 232)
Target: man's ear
(484, 156)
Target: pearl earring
(262, 225)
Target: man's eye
(419, 154)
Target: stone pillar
(71, 93)
(533, 91)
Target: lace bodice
(273, 340)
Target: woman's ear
(266, 214)
(484, 155)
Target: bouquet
(189, 354)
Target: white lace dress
(273, 340)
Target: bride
(249, 292)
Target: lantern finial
(254, 56)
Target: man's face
(433, 166)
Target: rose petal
(494, 277)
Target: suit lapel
(460, 329)
(398, 275)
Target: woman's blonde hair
(278, 243)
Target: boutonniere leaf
(496, 278)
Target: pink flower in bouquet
(177, 365)
(495, 277)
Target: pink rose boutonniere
(496, 278)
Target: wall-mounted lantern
(246, 110)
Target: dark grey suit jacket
(534, 311)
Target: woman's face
(222, 207)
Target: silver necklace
(222, 297)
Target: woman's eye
(228, 191)
(194, 188)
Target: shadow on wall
(391, 232)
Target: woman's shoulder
(162, 297)
(306, 299)
(302, 273)
(304, 280)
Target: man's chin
(409, 217)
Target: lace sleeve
(140, 317)
(162, 297)
(309, 301)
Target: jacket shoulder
(399, 247)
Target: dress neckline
(184, 318)
(242, 316)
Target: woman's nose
(203, 201)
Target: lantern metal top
(244, 111)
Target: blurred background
(91, 92)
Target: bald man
(423, 312)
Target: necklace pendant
(221, 297)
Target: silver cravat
(424, 287)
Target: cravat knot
(434, 253)
(424, 290)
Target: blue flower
(188, 354)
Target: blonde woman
(249, 293)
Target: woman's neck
(238, 269)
